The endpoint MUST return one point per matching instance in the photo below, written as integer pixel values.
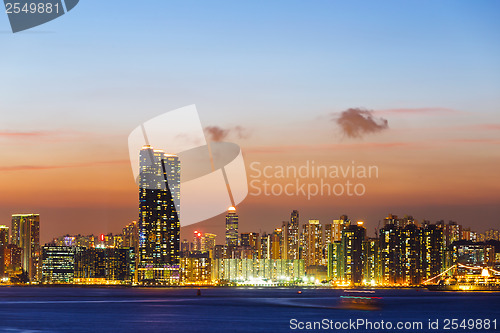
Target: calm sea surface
(73, 309)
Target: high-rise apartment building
(208, 242)
(337, 227)
(4, 241)
(411, 254)
(290, 240)
(352, 246)
(159, 216)
(390, 253)
(26, 235)
(432, 250)
(312, 240)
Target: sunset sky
(283, 71)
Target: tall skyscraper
(390, 253)
(197, 239)
(276, 243)
(26, 235)
(4, 241)
(293, 236)
(352, 245)
(338, 226)
(159, 216)
(312, 234)
(208, 242)
(4, 235)
(231, 227)
(265, 247)
(432, 251)
(411, 254)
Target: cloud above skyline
(216, 133)
(357, 122)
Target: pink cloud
(323, 147)
(490, 141)
(489, 127)
(418, 111)
(51, 167)
(10, 134)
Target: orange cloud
(10, 134)
(426, 111)
(50, 167)
(340, 146)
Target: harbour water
(116, 309)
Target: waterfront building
(26, 235)
(208, 242)
(231, 227)
(257, 271)
(337, 227)
(335, 261)
(411, 255)
(390, 248)
(104, 265)
(197, 236)
(221, 252)
(196, 270)
(58, 264)
(432, 251)
(159, 217)
(352, 249)
(265, 247)
(4, 241)
(371, 264)
(312, 240)
(13, 260)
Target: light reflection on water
(77, 309)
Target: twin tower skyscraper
(159, 221)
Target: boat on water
(360, 300)
(468, 282)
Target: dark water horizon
(239, 309)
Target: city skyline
(277, 88)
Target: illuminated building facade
(220, 252)
(334, 261)
(208, 242)
(291, 239)
(371, 264)
(312, 240)
(411, 255)
(258, 271)
(101, 265)
(159, 209)
(265, 246)
(26, 235)
(390, 253)
(473, 254)
(337, 227)
(231, 227)
(58, 264)
(352, 248)
(251, 240)
(197, 237)
(13, 260)
(4, 241)
(432, 250)
(276, 243)
(452, 232)
(196, 270)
